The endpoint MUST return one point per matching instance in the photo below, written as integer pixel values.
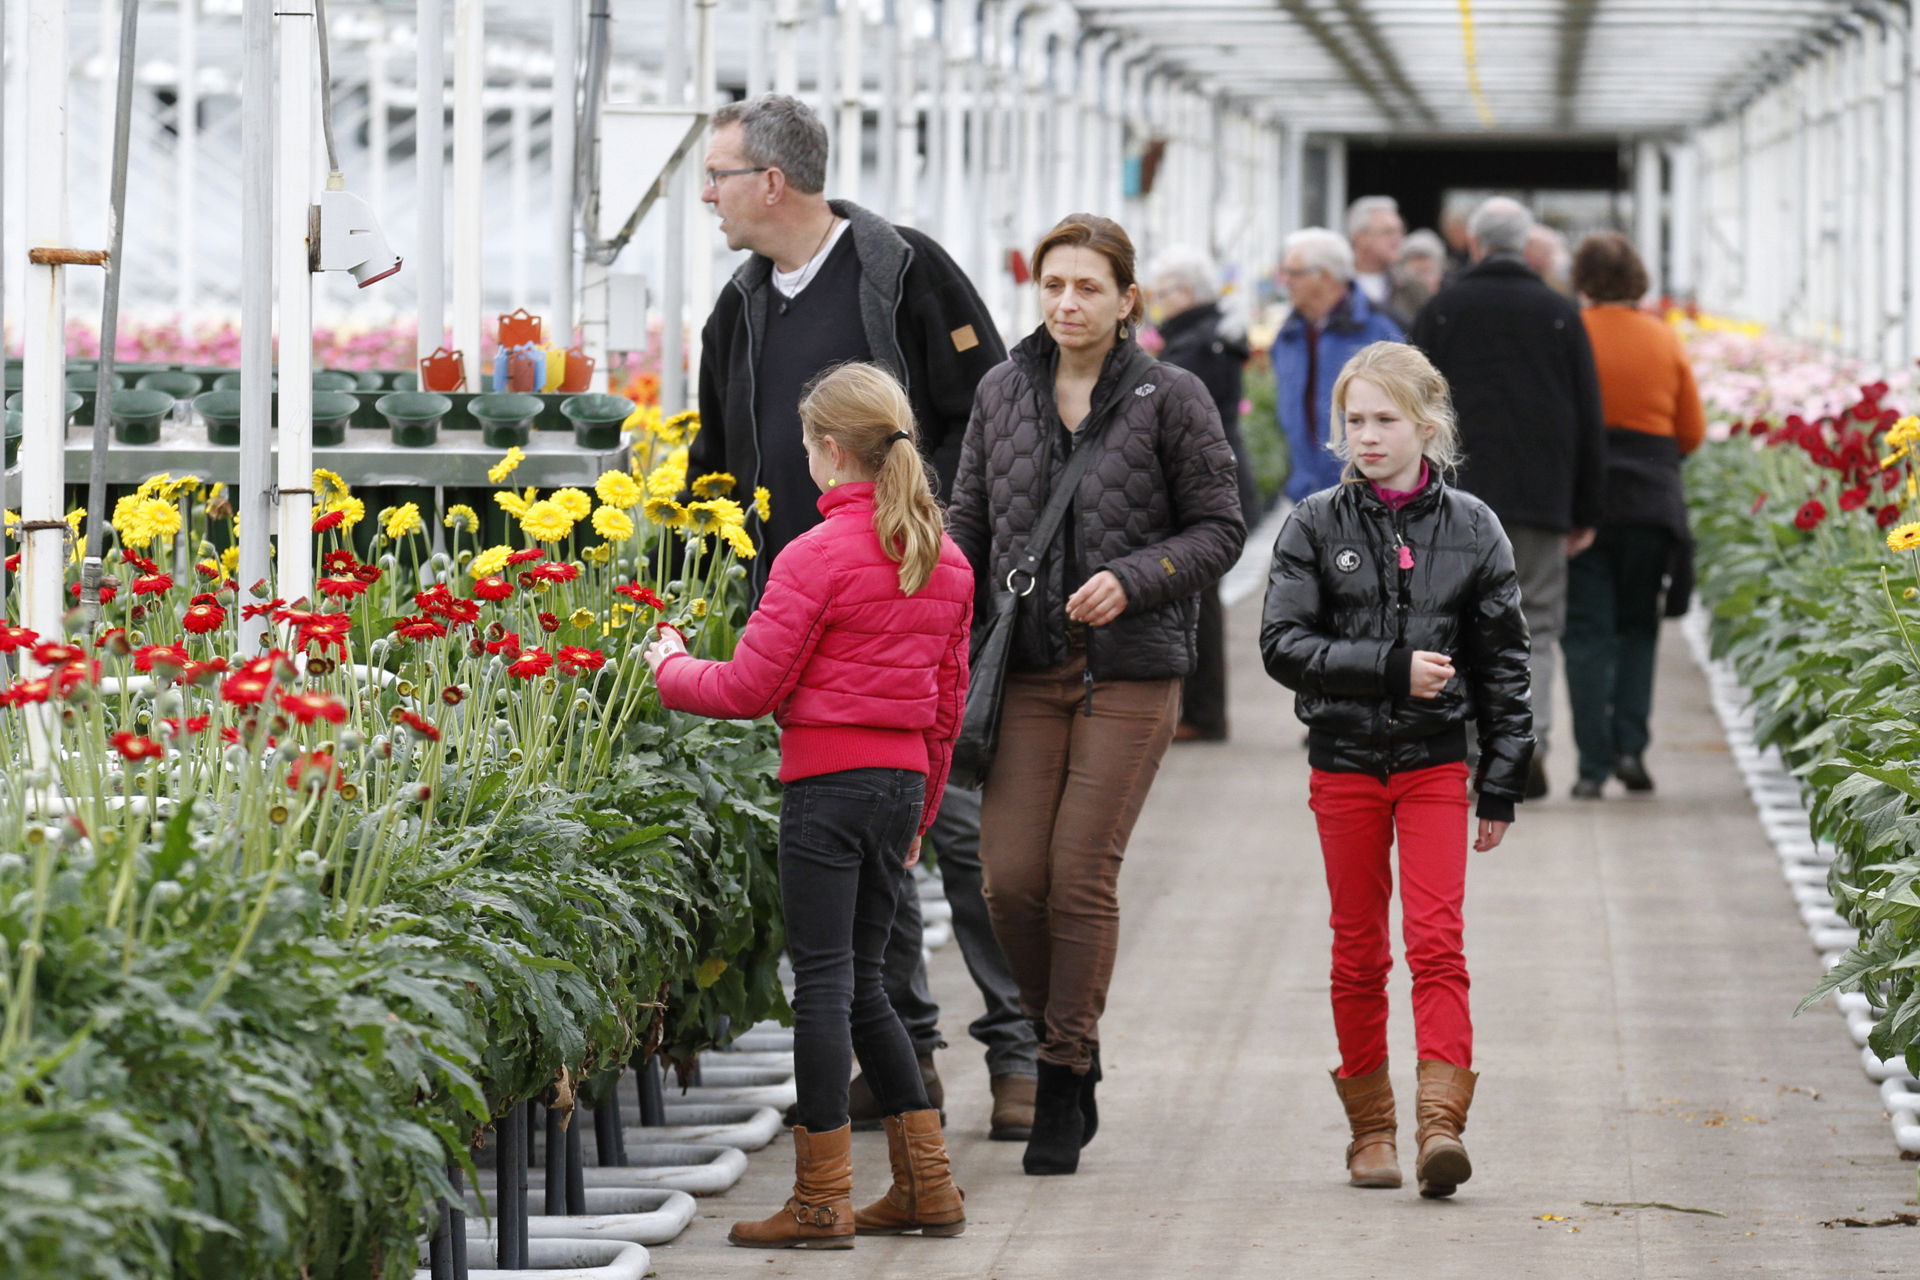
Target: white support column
(1683, 220)
(43, 556)
(469, 161)
(757, 74)
(1646, 211)
(826, 63)
(847, 144)
(700, 228)
(1910, 207)
(1336, 184)
(293, 556)
(1892, 322)
(558, 327)
(673, 251)
(186, 144)
(430, 162)
(887, 119)
(956, 232)
(379, 146)
(786, 47)
(906, 119)
(519, 159)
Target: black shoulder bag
(987, 670)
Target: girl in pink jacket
(859, 650)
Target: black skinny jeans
(843, 848)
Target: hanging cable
(335, 181)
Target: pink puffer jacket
(856, 674)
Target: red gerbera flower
(167, 657)
(576, 660)
(492, 589)
(202, 673)
(342, 587)
(114, 641)
(13, 563)
(248, 612)
(246, 690)
(419, 725)
(132, 746)
(554, 572)
(534, 662)
(207, 571)
(526, 557)
(152, 583)
(367, 573)
(308, 707)
(51, 653)
(70, 676)
(108, 589)
(140, 562)
(339, 560)
(329, 521)
(202, 618)
(1889, 514)
(508, 644)
(1854, 499)
(419, 628)
(316, 769)
(14, 638)
(21, 692)
(442, 602)
(195, 725)
(641, 595)
(1811, 513)
(549, 623)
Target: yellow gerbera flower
(612, 524)
(352, 512)
(736, 537)
(402, 520)
(715, 484)
(618, 489)
(500, 470)
(152, 485)
(763, 503)
(582, 618)
(572, 501)
(230, 561)
(490, 561)
(329, 484)
(665, 512)
(462, 518)
(546, 521)
(678, 429)
(512, 503)
(600, 554)
(1904, 537)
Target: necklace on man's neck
(813, 265)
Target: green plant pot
(596, 419)
(180, 385)
(220, 411)
(370, 379)
(332, 412)
(18, 401)
(334, 380)
(406, 380)
(85, 380)
(231, 382)
(505, 417)
(15, 427)
(16, 378)
(414, 417)
(137, 415)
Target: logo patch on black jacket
(1346, 560)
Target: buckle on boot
(810, 1215)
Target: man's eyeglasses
(714, 175)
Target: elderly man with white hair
(1331, 320)
(1201, 337)
(1528, 402)
(1376, 230)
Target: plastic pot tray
(559, 1260)
(636, 1215)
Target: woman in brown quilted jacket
(1103, 635)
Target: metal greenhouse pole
(469, 160)
(561, 156)
(430, 160)
(253, 504)
(293, 557)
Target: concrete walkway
(1635, 967)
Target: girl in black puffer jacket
(1393, 611)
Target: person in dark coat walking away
(859, 651)
(1394, 613)
(1197, 334)
(1528, 400)
(829, 283)
(1331, 320)
(1614, 587)
(1102, 637)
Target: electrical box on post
(626, 311)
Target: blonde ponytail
(866, 412)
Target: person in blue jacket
(1331, 320)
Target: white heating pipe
(430, 157)
(186, 141)
(700, 225)
(520, 143)
(293, 556)
(43, 555)
(469, 158)
(848, 142)
(566, 52)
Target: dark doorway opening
(1419, 175)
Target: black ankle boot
(1089, 1109)
(1057, 1122)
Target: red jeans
(1359, 816)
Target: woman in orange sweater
(1614, 588)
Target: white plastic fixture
(351, 240)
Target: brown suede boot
(922, 1197)
(1446, 1091)
(820, 1214)
(1012, 1108)
(1373, 1157)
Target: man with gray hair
(1331, 320)
(1375, 230)
(1421, 271)
(829, 282)
(1528, 400)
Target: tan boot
(1373, 1157)
(1446, 1091)
(922, 1197)
(1012, 1108)
(820, 1214)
